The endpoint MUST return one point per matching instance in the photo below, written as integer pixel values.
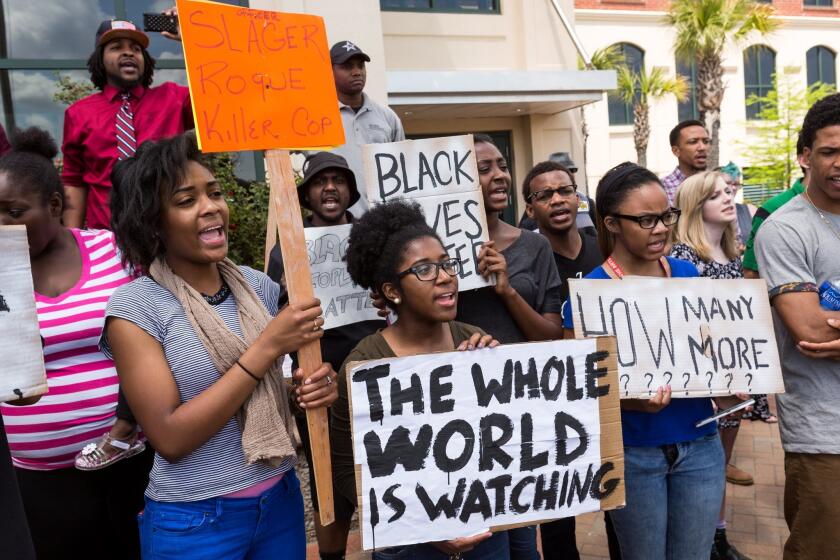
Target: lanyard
(620, 273)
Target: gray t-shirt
(371, 124)
(795, 246)
(532, 274)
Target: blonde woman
(707, 237)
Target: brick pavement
(755, 518)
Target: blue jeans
(673, 500)
(523, 543)
(268, 526)
(494, 548)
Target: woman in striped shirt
(198, 344)
(74, 273)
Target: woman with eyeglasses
(392, 251)
(673, 470)
(706, 236)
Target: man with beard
(364, 120)
(108, 126)
(690, 144)
(328, 189)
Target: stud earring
(397, 301)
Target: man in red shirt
(107, 126)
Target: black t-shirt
(588, 259)
(336, 343)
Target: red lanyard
(615, 268)
(620, 273)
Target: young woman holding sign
(673, 471)
(394, 252)
(707, 237)
(198, 343)
(74, 272)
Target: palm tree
(640, 89)
(608, 58)
(701, 31)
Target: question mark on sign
(626, 379)
(670, 377)
(687, 377)
(709, 384)
(728, 383)
(749, 380)
(650, 380)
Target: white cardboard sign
(22, 373)
(449, 445)
(704, 337)
(442, 176)
(342, 300)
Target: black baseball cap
(343, 51)
(111, 29)
(563, 159)
(320, 161)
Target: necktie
(126, 143)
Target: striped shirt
(82, 383)
(218, 466)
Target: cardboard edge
(612, 445)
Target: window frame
(759, 88)
(497, 10)
(806, 4)
(691, 81)
(817, 50)
(612, 98)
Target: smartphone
(726, 412)
(157, 23)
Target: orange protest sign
(258, 80)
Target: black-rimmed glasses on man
(545, 195)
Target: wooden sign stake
(271, 225)
(299, 286)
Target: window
(817, 3)
(822, 65)
(687, 110)
(42, 41)
(619, 111)
(759, 67)
(455, 6)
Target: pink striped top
(82, 383)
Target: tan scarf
(265, 418)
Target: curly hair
(378, 239)
(99, 77)
(822, 114)
(539, 169)
(613, 189)
(140, 184)
(30, 163)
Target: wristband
(246, 370)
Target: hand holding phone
(160, 23)
(725, 412)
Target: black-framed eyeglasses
(649, 221)
(545, 195)
(428, 271)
